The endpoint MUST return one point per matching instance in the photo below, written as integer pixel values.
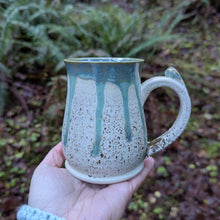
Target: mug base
(104, 180)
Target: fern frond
(150, 42)
(12, 11)
(44, 13)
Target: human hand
(53, 189)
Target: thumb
(55, 157)
(139, 179)
(127, 188)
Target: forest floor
(185, 181)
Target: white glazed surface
(117, 157)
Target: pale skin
(53, 189)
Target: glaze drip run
(121, 75)
(71, 80)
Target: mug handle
(172, 80)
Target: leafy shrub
(37, 35)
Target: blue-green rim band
(109, 60)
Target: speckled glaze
(104, 134)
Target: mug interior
(103, 60)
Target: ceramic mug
(104, 135)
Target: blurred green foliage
(36, 36)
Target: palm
(55, 190)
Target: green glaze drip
(124, 91)
(71, 80)
(121, 74)
(100, 87)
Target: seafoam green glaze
(70, 93)
(121, 73)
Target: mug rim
(109, 60)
